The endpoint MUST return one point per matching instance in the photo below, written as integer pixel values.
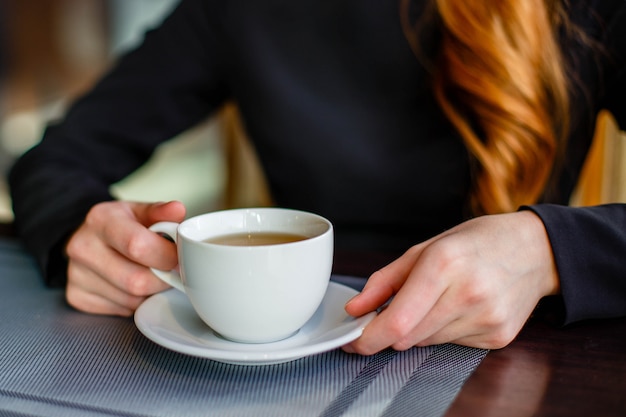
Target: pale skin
(110, 253)
(473, 285)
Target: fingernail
(350, 300)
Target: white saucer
(169, 320)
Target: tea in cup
(253, 275)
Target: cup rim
(195, 219)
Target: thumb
(150, 213)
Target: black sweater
(345, 124)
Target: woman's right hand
(111, 252)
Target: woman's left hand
(474, 285)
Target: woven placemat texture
(55, 361)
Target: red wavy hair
(500, 79)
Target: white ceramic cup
(252, 294)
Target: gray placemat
(55, 361)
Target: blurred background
(53, 50)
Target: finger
(127, 235)
(115, 296)
(129, 277)
(90, 293)
(480, 341)
(386, 330)
(459, 311)
(487, 327)
(106, 264)
(149, 213)
(382, 285)
(94, 304)
(397, 322)
(494, 333)
(439, 325)
(461, 332)
(456, 332)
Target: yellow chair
(245, 179)
(603, 179)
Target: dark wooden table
(577, 370)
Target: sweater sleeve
(166, 85)
(589, 246)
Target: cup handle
(169, 231)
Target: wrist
(542, 251)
